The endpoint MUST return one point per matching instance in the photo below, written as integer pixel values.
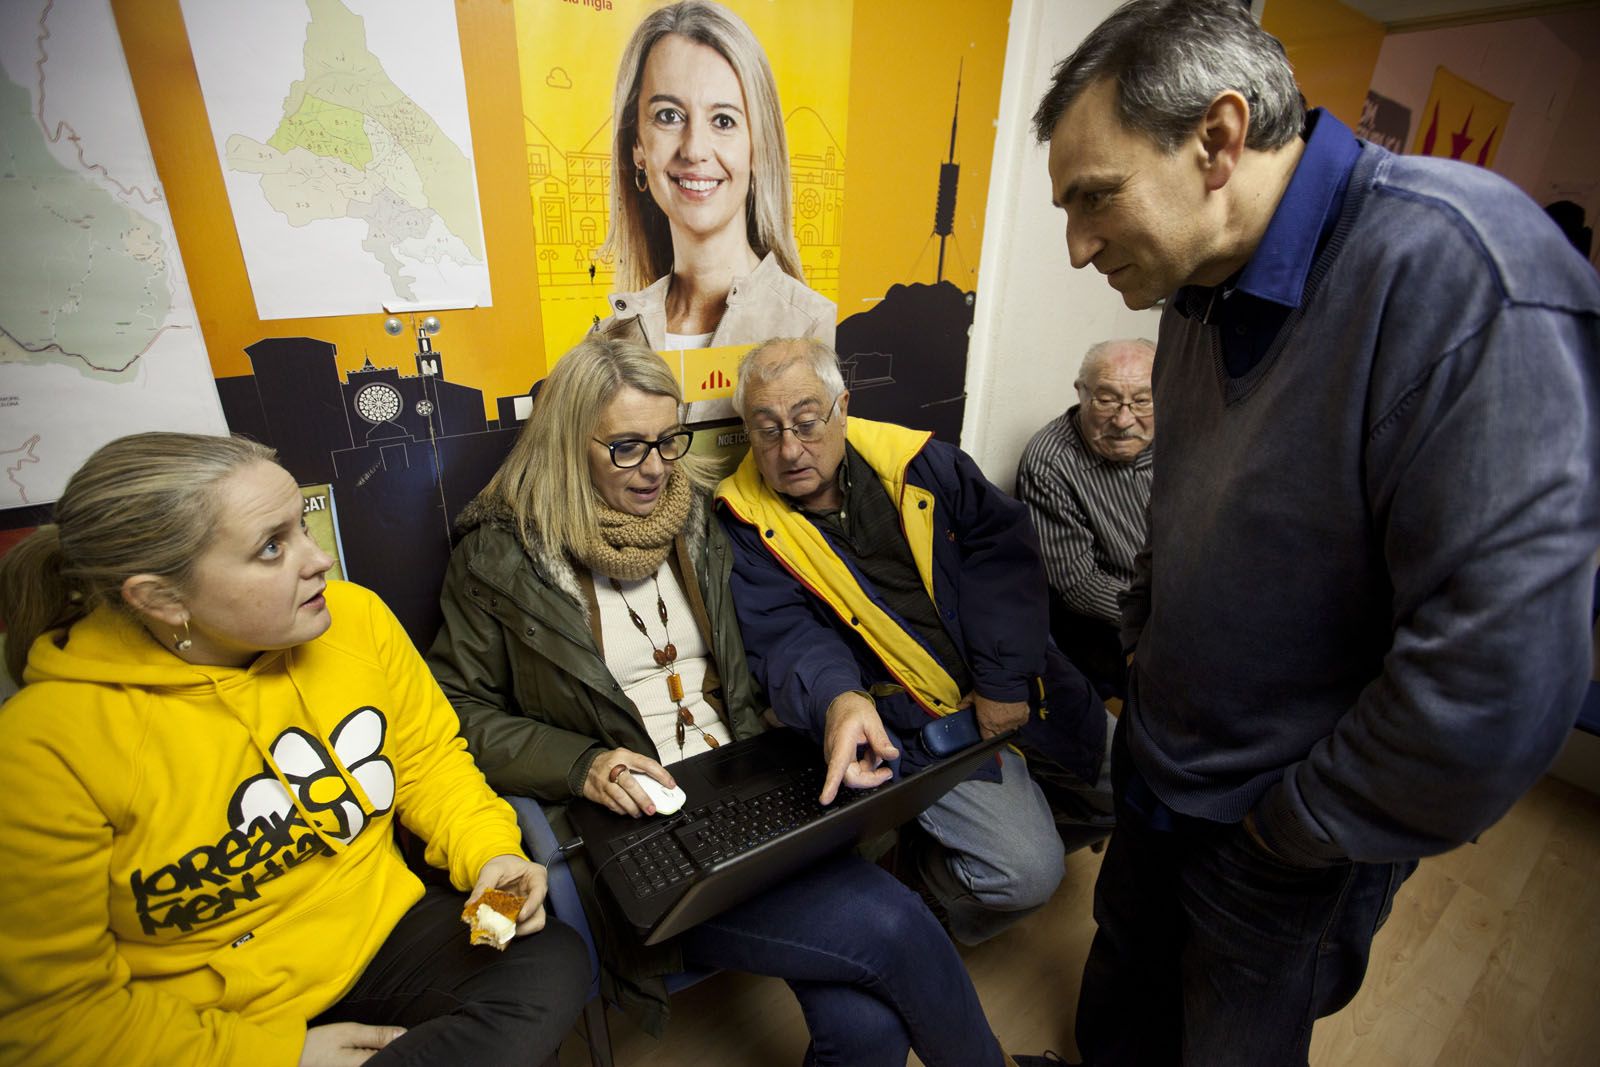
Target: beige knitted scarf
(630, 547)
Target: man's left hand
(1255, 835)
(995, 717)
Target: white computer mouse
(667, 800)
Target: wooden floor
(1491, 957)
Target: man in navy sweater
(1360, 624)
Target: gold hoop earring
(186, 642)
(640, 181)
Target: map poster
(342, 130)
(98, 335)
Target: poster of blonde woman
(688, 166)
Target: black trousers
(463, 1003)
(1209, 952)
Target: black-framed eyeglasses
(806, 431)
(632, 451)
(1110, 405)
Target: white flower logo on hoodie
(322, 792)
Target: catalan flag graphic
(1461, 121)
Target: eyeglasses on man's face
(806, 431)
(1141, 406)
(631, 451)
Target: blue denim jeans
(998, 856)
(874, 973)
(1210, 952)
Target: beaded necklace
(665, 658)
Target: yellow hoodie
(196, 860)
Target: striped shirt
(1091, 514)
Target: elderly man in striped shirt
(1086, 478)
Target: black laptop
(751, 819)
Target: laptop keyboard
(655, 858)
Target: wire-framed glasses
(1141, 406)
(806, 431)
(632, 451)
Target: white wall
(1572, 168)
(1035, 315)
(1520, 60)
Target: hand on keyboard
(855, 745)
(658, 857)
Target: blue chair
(563, 902)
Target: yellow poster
(707, 373)
(887, 110)
(568, 55)
(1461, 121)
(321, 521)
(724, 443)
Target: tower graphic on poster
(404, 454)
(915, 338)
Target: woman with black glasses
(590, 638)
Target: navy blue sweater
(1363, 610)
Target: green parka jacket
(518, 660)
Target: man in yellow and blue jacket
(881, 581)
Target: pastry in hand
(493, 917)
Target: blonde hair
(641, 237)
(143, 504)
(545, 481)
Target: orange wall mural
(902, 74)
(1461, 121)
(1333, 49)
(889, 110)
(496, 349)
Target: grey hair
(765, 362)
(1097, 354)
(1170, 59)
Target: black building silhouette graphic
(404, 454)
(915, 339)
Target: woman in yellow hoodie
(201, 777)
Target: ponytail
(34, 595)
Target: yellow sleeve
(442, 795)
(65, 992)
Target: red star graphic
(1483, 153)
(1459, 141)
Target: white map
(98, 335)
(343, 134)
